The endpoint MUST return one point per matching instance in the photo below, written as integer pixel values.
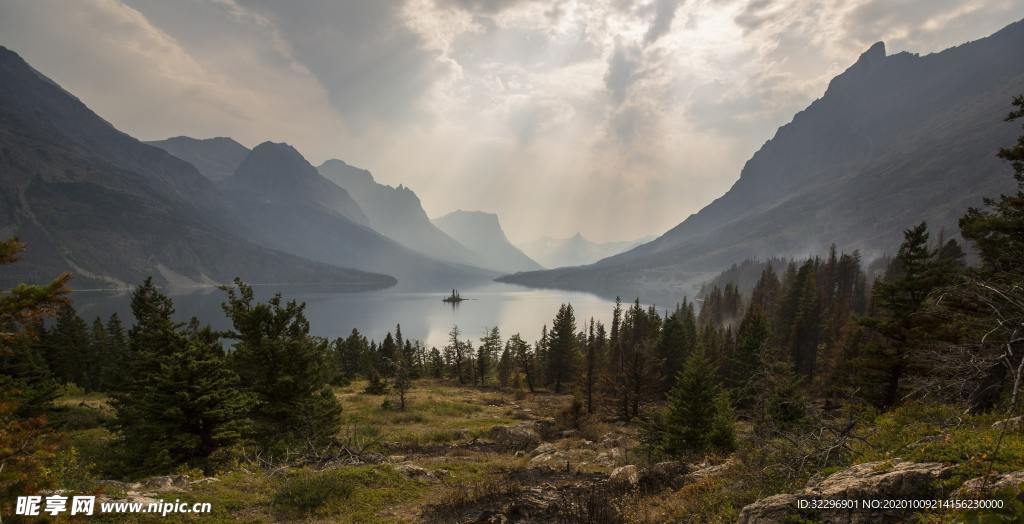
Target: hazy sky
(611, 117)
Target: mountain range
(216, 158)
(91, 200)
(895, 140)
(482, 233)
(284, 203)
(398, 213)
(576, 250)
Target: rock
(663, 475)
(519, 436)
(978, 488)
(885, 479)
(703, 470)
(546, 447)
(613, 440)
(569, 433)
(625, 475)
(412, 471)
(166, 483)
(770, 510)
(895, 479)
(1011, 424)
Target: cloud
(617, 118)
(664, 13)
(624, 68)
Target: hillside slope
(482, 233)
(397, 213)
(215, 158)
(894, 140)
(286, 204)
(93, 201)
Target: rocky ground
(479, 455)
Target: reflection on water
(423, 315)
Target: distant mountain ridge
(397, 213)
(286, 204)
(278, 173)
(91, 200)
(216, 158)
(482, 233)
(893, 141)
(576, 250)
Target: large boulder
(520, 436)
(625, 475)
(885, 480)
(982, 487)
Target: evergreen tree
(189, 404)
(283, 366)
(436, 363)
(563, 350)
(403, 377)
(593, 358)
(690, 416)
(68, 351)
(455, 354)
(912, 275)
(753, 337)
(388, 355)
(519, 349)
(26, 391)
(490, 344)
(505, 367)
(722, 434)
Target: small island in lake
(454, 298)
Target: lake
(514, 309)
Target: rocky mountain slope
(93, 201)
(895, 140)
(285, 204)
(216, 158)
(482, 233)
(397, 213)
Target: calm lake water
(423, 316)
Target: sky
(613, 118)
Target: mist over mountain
(216, 158)
(285, 204)
(397, 213)
(576, 250)
(278, 174)
(482, 233)
(91, 200)
(893, 141)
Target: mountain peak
(874, 53)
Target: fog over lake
(422, 314)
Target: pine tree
(188, 405)
(722, 434)
(752, 339)
(563, 350)
(912, 275)
(68, 351)
(455, 354)
(403, 377)
(524, 358)
(690, 416)
(26, 391)
(284, 367)
(505, 367)
(490, 344)
(593, 361)
(436, 363)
